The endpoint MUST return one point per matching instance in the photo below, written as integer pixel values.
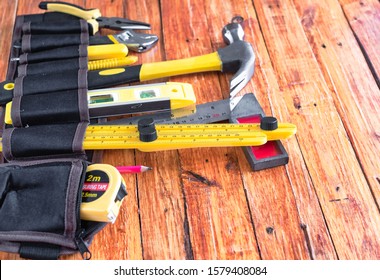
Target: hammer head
(233, 31)
(238, 57)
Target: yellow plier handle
(70, 9)
(88, 14)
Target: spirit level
(102, 193)
(134, 99)
(141, 98)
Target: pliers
(93, 17)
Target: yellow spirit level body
(140, 99)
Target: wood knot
(308, 17)
(297, 102)
(232, 163)
(269, 230)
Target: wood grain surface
(317, 66)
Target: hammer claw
(238, 57)
(237, 83)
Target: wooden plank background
(317, 66)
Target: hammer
(238, 57)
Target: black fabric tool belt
(42, 179)
(39, 208)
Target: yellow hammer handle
(203, 63)
(111, 63)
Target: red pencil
(133, 169)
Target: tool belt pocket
(49, 119)
(35, 42)
(47, 37)
(44, 141)
(49, 109)
(39, 209)
(53, 53)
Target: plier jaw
(117, 23)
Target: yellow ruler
(169, 137)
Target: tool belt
(44, 165)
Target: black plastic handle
(100, 40)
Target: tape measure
(102, 193)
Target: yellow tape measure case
(102, 193)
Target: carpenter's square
(247, 109)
